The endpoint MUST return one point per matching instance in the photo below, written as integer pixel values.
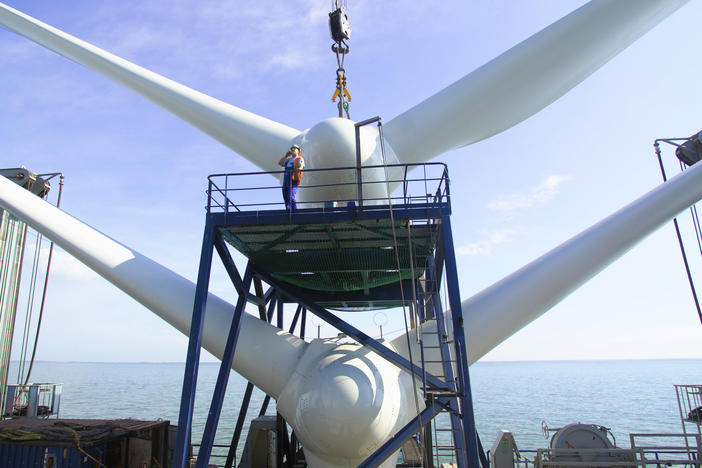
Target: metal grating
(341, 256)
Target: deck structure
(332, 257)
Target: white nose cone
(332, 144)
(344, 401)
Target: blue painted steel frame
(225, 368)
(463, 379)
(352, 331)
(447, 254)
(192, 362)
(332, 215)
(242, 287)
(394, 443)
(281, 291)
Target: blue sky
(137, 173)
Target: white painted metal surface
(344, 401)
(504, 450)
(332, 144)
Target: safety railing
(660, 456)
(36, 400)
(218, 457)
(332, 188)
(690, 405)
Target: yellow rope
(76, 439)
(20, 435)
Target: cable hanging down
(24, 366)
(340, 32)
(688, 153)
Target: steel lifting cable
(30, 306)
(695, 217)
(12, 256)
(698, 227)
(415, 317)
(402, 290)
(656, 145)
(7, 257)
(9, 289)
(25, 339)
(46, 282)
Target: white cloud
(66, 266)
(537, 195)
(63, 265)
(484, 246)
(16, 50)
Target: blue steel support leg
(271, 307)
(249, 386)
(225, 368)
(187, 400)
(239, 425)
(462, 377)
(264, 405)
(229, 265)
(393, 444)
(303, 323)
(295, 318)
(279, 314)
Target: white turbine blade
(525, 79)
(499, 311)
(271, 354)
(258, 139)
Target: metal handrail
(220, 199)
(639, 457)
(326, 169)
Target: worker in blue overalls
(293, 163)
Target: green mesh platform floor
(344, 256)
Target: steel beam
(352, 331)
(393, 444)
(231, 455)
(315, 215)
(225, 368)
(192, 363)
(464, 396)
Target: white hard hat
(295, 147)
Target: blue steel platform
(355, 256)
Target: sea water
(626, 396)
